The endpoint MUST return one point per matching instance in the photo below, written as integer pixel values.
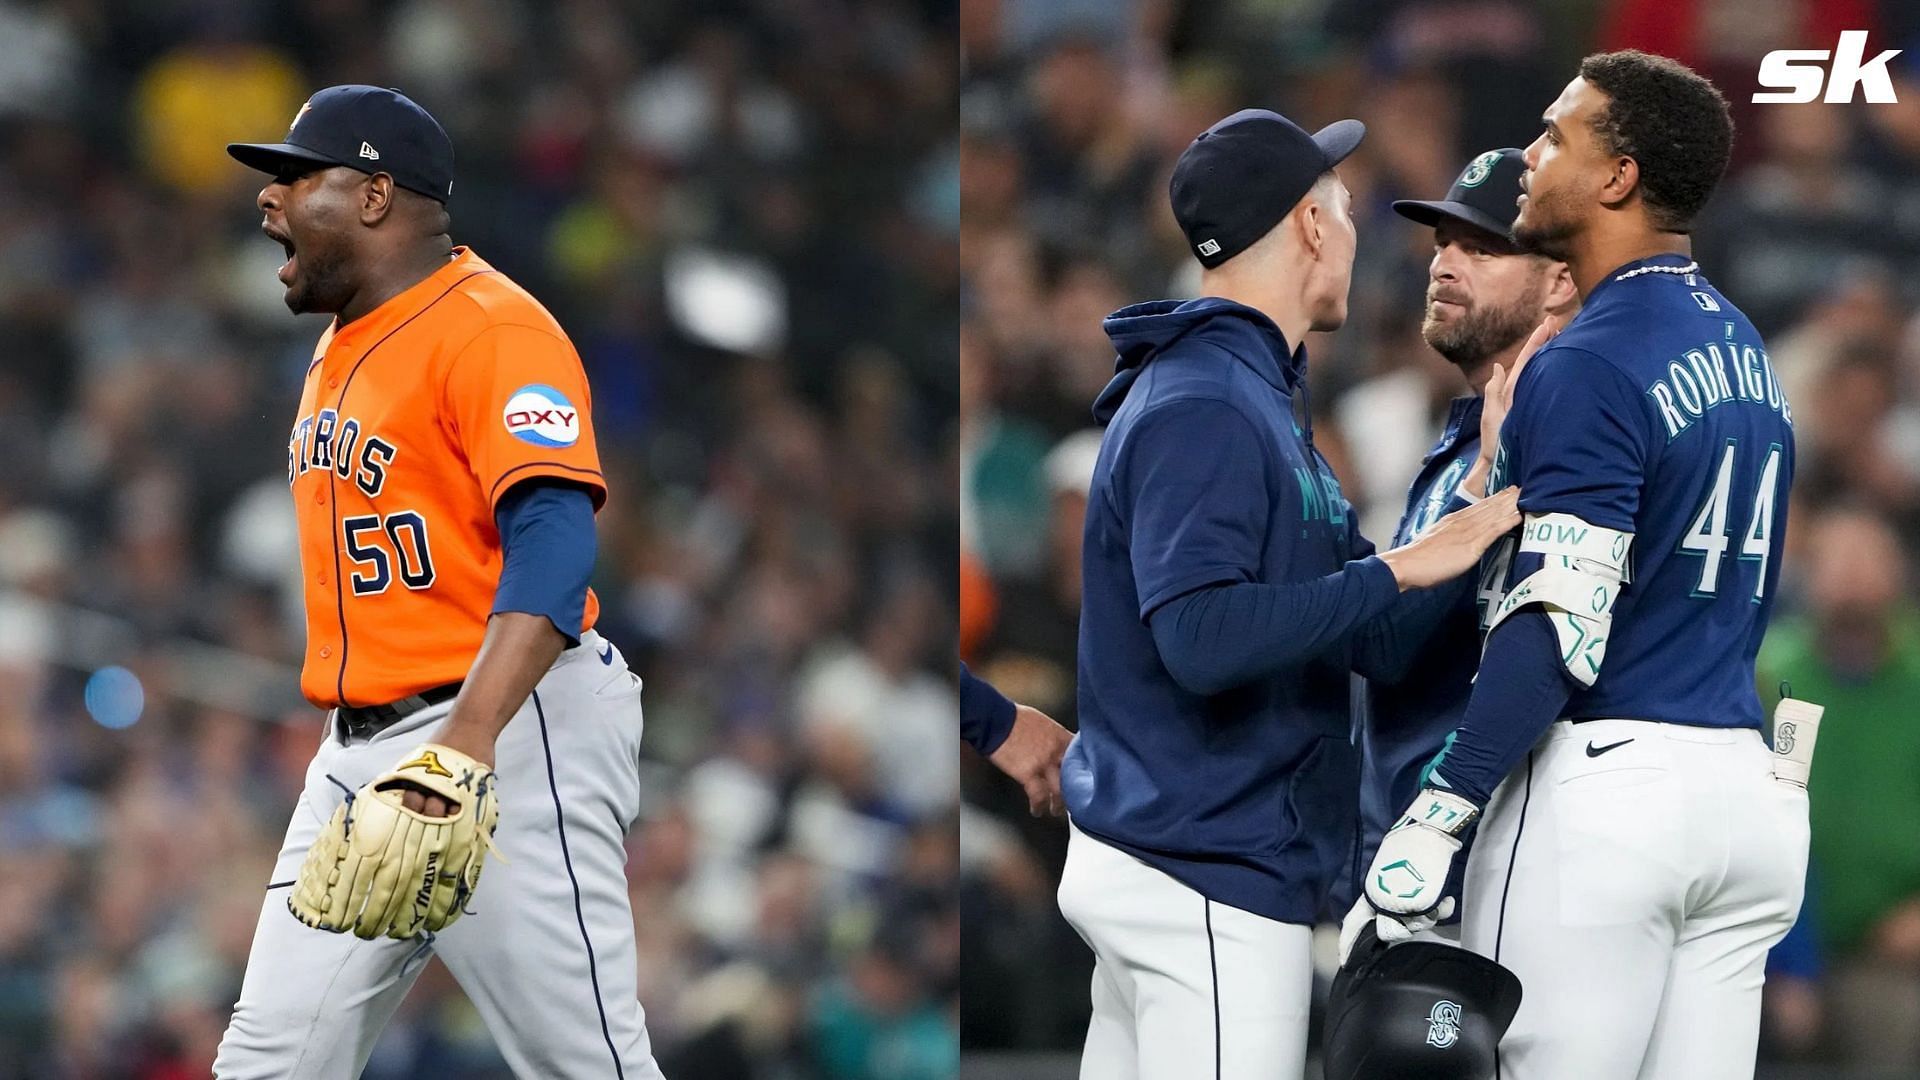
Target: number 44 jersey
(1657, 414)
(414, 420)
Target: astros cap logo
(539, 414)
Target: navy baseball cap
(1485, 196)
(1235, 182)
(369, 128)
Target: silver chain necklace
(1690, 268)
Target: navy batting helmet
(1420, 1010)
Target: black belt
(360, 721)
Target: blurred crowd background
(1072, 114)
(745, 213)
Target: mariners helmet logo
(1443, 1024)
(1479, 169)
(542, 416)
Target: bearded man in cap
(1485, 298)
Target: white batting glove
(1391, 929)
(1410, 870)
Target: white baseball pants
(547, 954)
(1634, 875)
(1184, 988)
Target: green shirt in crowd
(1864, 792)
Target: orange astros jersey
(414, 420)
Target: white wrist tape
(1440, 810)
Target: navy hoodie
(1244, 792)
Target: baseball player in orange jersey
(445, 478)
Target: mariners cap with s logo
(369, 128)
(1485, 196)
(1235, 181)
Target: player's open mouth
(291, 266)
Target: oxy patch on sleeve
(539, 414)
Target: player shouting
(445, 478)
(1638, 857)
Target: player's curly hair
(1668, 119)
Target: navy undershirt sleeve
(1195, 482)
(546, 531)
(1223, 636)
(1386, 647)
(986, 715)
(1520, 691)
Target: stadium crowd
(745, 214)
(1072, 115)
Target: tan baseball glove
(380, 868)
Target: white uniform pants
(1183, 988)
(1634, 875)
(547, 954)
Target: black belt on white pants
(362, 721)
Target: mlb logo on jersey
(542, 416)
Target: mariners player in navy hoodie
(1636, 855)
(1485, 298)
(1227, 598)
